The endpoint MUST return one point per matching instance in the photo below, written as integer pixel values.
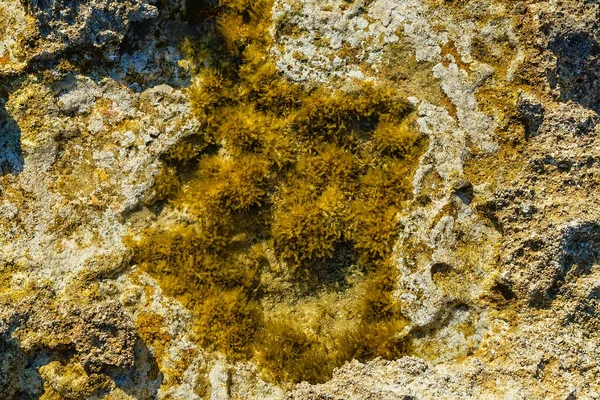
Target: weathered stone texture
(498, 258)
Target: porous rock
(497, 255)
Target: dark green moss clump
(293, 175)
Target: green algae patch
(284, 210)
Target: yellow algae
(291, 197)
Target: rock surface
(498, 258)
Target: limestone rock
(497, 256)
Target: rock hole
(438, 270)
(465, 192)
(504, 290)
